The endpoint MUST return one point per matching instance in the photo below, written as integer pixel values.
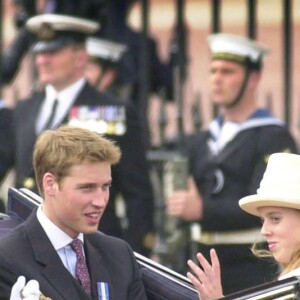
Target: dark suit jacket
(27, 251)
(130, 176)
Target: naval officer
(65, 97)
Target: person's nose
(265, 229)
(41, 58)
(215, 78)
(100, 198)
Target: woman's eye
(275, 219)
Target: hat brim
(251, 204)
(62, 23)
(54, 45)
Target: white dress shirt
(60, 241)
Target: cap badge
(46, 32)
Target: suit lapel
(30, 114)
(77, 101)
(55, 274)
(96, 267)
(25, 116)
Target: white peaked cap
(56, 31)
(236, 48)
(61, 23)
(105, 49)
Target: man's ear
(82, 58)
(49, 184)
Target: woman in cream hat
(277, 203)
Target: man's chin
(90, 228)
(219, 102)
(44, 78)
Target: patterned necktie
(82, 272)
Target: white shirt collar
(69, 93)
(65, 98)
(58, 238)
(295, 272)
(50, 93)
(222, 135)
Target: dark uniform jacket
(223, 177)
(130, 176)
(6, 141)
(28, 251)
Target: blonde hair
(285, 268)
(56, 151)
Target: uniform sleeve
(271, 140)
(133, 181)
(6, 141)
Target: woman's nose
(265, 229)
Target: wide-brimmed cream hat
(280, 185)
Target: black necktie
(52, 115)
